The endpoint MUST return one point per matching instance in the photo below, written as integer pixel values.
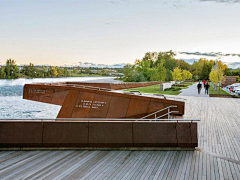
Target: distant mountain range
(231, 59)
(211, 54)
(87, 64)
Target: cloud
(234, 65)
(222, 1)
(189, 61)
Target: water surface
(12, 106)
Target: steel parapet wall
(20, 134)
(79, 102)
(116, 86)
(109, 134)
(65, 134)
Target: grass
(213, 91)
(155, 89)
(187, 83)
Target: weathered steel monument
(96, 115)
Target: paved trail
(192, 91)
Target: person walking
(204, 83)
(206, 87)
(199, 87)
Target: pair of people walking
(206, 87)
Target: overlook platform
(219, 141)
(93, 116)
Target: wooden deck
(219, 135)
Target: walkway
(218, 133)
(192, 91)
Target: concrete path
(192, 91)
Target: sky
(59, 32)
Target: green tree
(88, 71)
(11, 70)
(169, 62)
(2, 73)
(205, 72)
(42, 72)
(217, 75)
(128, 71)
(162, 71)
(29, 70)
(186, 75)
(65, 72)
(75, 71)
(154, 74)
(60, 72)
(183, 65)
(177, 74)
(52, 71)
(202, 68)
(144, 67)
(105, 72)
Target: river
(12, 106)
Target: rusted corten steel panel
(17, 134)
(90, 102)
(115, 86)
(110, 134)
(97, 134)
(65, 134)
(184, 134)
(101, 85)
(68, 104)
(39, 94)
(155, 106)
(156, 134)
(194, 134)
(83, 105)
(118, 107)
(137, 108)
(100, 106)
(59, 96)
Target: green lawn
(187, 83)
(154, 89)
(213, 91)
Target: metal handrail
(95, 119)
(155, 113)
(168, 113)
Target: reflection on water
(12, 106)
(15, 107)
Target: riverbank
(72, 75)
(155, 89)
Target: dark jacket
(207, 86)
(199, 86)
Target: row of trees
(181, 75)
(161, 66)
(11, 71)
(43, 72)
